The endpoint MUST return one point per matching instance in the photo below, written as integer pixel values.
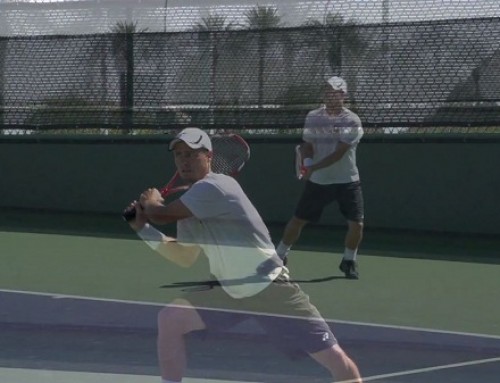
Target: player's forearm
(160, 214)
(168, 247)
(307, 150)
(328, 160)
(181, 255)
(341, 149)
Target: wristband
(152, 237)
(308, 162)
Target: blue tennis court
(59, 338)
(82, 308)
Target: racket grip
(303, 171)
(305, 164)
(129, 214)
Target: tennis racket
(230, 153)
(299, 164)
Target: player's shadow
(203, 285)
(261, 275)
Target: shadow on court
(205, 285)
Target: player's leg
(353, 237)
(291, 234)
(207, 310)
(174, 322)
(340, 365)
(297, 328)
(350, 199)
(352, 241)
(309, 209)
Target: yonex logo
(326, 336)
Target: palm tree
(338, 39)
(262, 18)
(210, 27)
(212, 23)
(3, 55)
(123, 52)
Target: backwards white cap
(195, 138)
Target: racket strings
(230, 154)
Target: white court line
(429, 369)
(18, 375)
(145, 303)
(66, 296)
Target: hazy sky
(364, 10)
(94, 16)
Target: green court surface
(445, 282)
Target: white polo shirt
(324, 132)
(231, 233)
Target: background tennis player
(331, 135)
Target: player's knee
(356, 226)
(337, 360)
(297, 223)
(176, 317)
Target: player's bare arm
(181, 254)
(307, 150)
(159, 213)
(339, 152)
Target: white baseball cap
(337, 83)
(195, 138)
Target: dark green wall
(440, 185)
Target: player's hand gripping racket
(230, 153)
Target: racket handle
(303, 171)
(305, 164)
(129, 214)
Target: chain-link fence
(151, 66)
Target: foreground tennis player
(216, 218)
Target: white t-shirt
(231, 233)
(324, 132)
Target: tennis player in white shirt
(331, 136)
(214, 217)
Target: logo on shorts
(326, 336)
